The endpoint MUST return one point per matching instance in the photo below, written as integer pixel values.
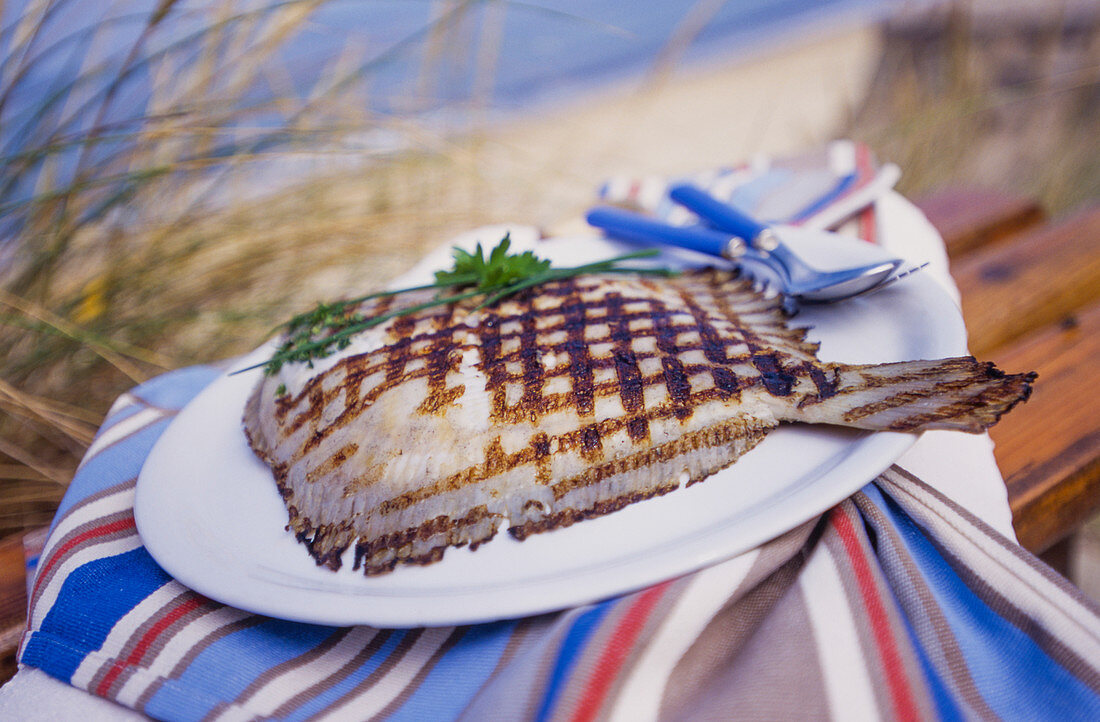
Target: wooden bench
(1031, 297)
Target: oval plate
(208, 511)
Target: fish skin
(566, 402)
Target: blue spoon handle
(721, 215)
(629, 226)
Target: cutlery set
(760, 249)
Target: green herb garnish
(330, 326)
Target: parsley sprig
(329, 327)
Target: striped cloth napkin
(895, 604)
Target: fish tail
(960, 394)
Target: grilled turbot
(567, 401)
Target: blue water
(418, 59)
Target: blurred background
(178, 177)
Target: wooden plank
(1029, 281)
(1049, 447)
(970, 218)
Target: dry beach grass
(156, 252)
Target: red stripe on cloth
(145, 642)
(868, 226)
(868, 229)
(614, 654)
(64, 549)
(901, 695)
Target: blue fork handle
(720, 215)
(629, 226)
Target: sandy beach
(544, 169)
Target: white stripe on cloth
(282, 688)
(178, 646)
(86, 554)
(1075, 625)
(617, 189)
(372, 700)
(121, 500)
(841, 157)
(840, 658)
(123, 632)
(127, 427)
(640, 697)
(123, 402)
(723, 185)
(651, 190)
(851, 203)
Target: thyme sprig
(329, 327)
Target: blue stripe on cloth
(175, 389)
(330, 696)
(458, 675)
(947, 709)
(1003, 660)
(838, 190)
(116, 584)
(111, 467)
(232, 663)
(571, 648)
(123, 461)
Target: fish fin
(960, 394)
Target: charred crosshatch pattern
(568, 402)
(578, 332)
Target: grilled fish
(567, 401)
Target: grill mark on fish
(314, 406)
(962, 408)
(568, 517)
(326, 542)
(435, 526)
(530, 356)
(332, 463)
(580, 364)
(717, 435)
(552, 403)
(902, 398)
(676, 381)
(286, 402)
(627, 371)
(441, 359)
(713, 347)
(394, 358)
(591, 445)
(492, 364)
(540, 450)
(827, 384)
(777, 380)
(498, 462)
(716, 349)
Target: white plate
(209, 513)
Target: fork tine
(899, 275)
